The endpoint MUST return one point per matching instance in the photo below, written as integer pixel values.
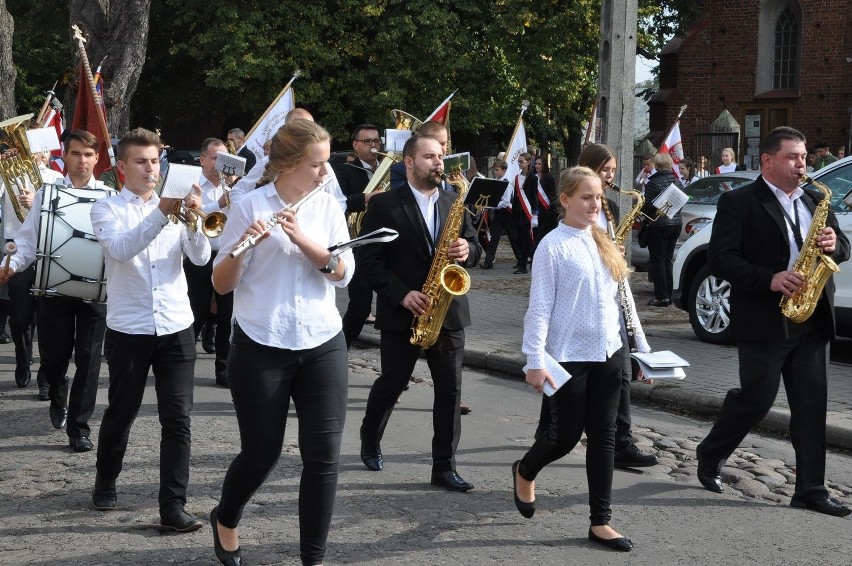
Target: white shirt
(27, 237)
(573, 311)
(428, 205)
(790, 206)
(506, 198)
(726, 168)
(210, 195)
(282, 300)
(143, 252)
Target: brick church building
(768, 63)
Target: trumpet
(211, 224)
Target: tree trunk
(8, 73)
(118, 28)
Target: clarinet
(623, 297)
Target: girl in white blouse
(574, 318)
(287, 340)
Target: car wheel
(709, 307)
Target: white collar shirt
(428, 205)
(143, 254)
(506, 198)
(282, 300)
(573, 311)
(792, 207)
(28, 235)
(368, 168)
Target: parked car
(184, 156)
(700, 209)
(706, 297)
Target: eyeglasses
(371, 141)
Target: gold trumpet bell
(212, 223)
(405, 121)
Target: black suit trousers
(22, 309)
(399, 356)
(67, 325)
(199, 281)
(802, 361)
(360, 303)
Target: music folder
(661, 365)
(179, 180)
(485, 193)
(230, 165)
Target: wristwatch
(331, 266)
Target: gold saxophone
(19, 172)
(446, 279)
(627, 220)
(813, 264)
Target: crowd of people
(279, 336)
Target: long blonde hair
(569, 181)
(290, 145)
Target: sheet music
(556, 371)
(179, 180)
(395, 139)
(230, 164)
(661, 359)
(661, 373)
(43, 139)
(671, 200)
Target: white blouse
(574, 311)
(282, 300)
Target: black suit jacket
(748, 246)
(395, 268)
(353, 179)
(249, 157)
(530, 189)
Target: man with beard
(397, 271)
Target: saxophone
(446, 279)
(627, 220)
(812, 263)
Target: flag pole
(284, 90)
(524, 105)
(592, 120)
(679, 114)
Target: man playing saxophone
(397, 271)
(758, 234)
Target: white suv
(706, 297)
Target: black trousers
(445, 359)
(263, 379)
(360, 303)
(172, 358)
(803, 362)
(519, 235)
(69, 325)
(661, 246)
(199, 281)
(623, 438)
(501, 221)
(588, 401)
(22, 309)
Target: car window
(839, 181)
(709, 189)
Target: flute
(251, 241)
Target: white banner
(517, 146)
(270, 123)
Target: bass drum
(70, 260)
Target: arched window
(785, 68)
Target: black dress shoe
(524, 508)
(486, 266)
(659, 302)
(222, 378)
(179, 521)
(620, 543)
(374, 462)
(4, 338)
(44, 393)
(208, 338)
(58, 416)
(80, 444)
(22, 377)
(227, 557)
(632, 457)
(464, 409)
(711, 481)
(825, 505)
(103, 494)
(520, 271)
(451, 481)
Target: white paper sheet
(557, 372)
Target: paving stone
(733, 475)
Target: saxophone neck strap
(794, 223)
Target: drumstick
(10, 249)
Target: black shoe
(520, 271)
(58, 416)
(464, 409)
(22, 377)
(80, 444)
(524, 508)
(659, 302)
(208, 338)
(620, 543)
(451, 481)
(486, 266)
(825, 505)
(632, 457)
(179, 521)
(222, 378)
(227, 557)
(103, 494)
(374, 462)
(711, 481)
(44, 393)
(4, 338)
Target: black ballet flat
(524, 508)
(227, 557)
(621, 543)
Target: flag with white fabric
(442, 112)
(517, 146)
(272, 119)
(674, 147)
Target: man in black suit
(397, 271)
(757, 235)
(353, 179)
(238, 138)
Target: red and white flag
(89, 115)
(517, 146)
(673, 145)
(442, 112)
(54, 119)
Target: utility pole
(616, 85)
